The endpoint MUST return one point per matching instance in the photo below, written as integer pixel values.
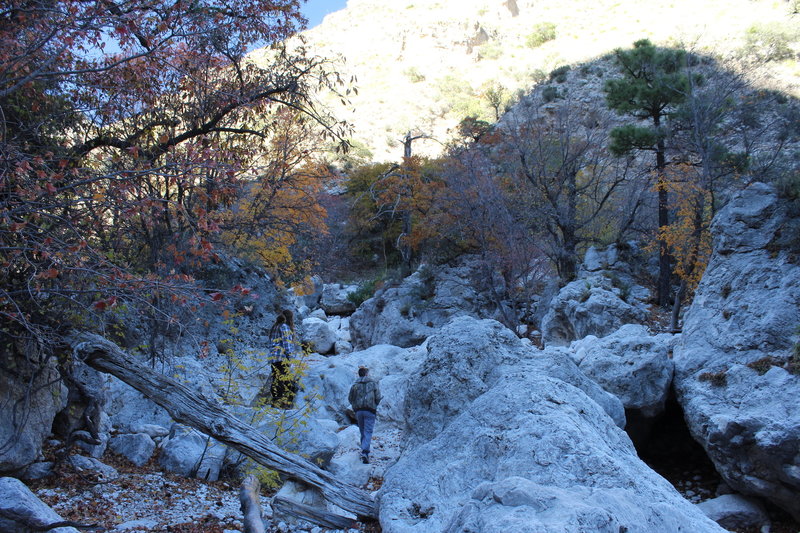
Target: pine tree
(653, 83)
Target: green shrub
(794, 359)
(491, 50)
(537, 75)
(364, 292)
(771, 41)
(787, 237)
(542, 32)
(414, 75)
(550, 93)
(559, 75)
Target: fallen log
(206, 415)
(312, 514)
(251, 505)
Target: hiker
(283, 350)
(365, 395)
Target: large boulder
(190, 454)
(736, 512)
(138, 448)
(468, 358)
(731, 365)
(633, 365)
(87, 465)
(336, 299)
(309, 298)
(510, 445)
(30, 398)
(318, 335)
(21, 510)
(592, 305)
(604, 297)
(407, 313)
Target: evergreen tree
(653, 83)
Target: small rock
(735, 512)
(144, 523)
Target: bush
(794, 360)
(763, 365)
(771, 41)
(490, 51)
(550, 93)
(717, 379)
(414, 75)
(788, 237)
(364, 292)
(559, 75)
(543, 32)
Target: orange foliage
(280, 205)
(687, 237)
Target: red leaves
(216, 296)
(102, 305)
(50, 273)
(244, 291)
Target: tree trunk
(251, 505)
(676, 308)
(208, 416)
(312, 514)
(664, 259)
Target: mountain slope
(423, 65)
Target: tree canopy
(129, 130)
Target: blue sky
(314, 10)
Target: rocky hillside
(422, 66)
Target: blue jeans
(366, 422)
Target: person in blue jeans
(364, 397)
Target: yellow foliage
(280, 204)
(688, 237)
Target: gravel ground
(145, 499)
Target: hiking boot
(365, 459)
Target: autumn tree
(389, 201)
(474, 214)
(652, 84)
(372, 232)
(129, 128)
(558, 167)
(277, 207)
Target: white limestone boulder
(332, 378)
(515, 447)
(731, 364)
(28, 405)
(20, 509)
(90, 464)
(632, 364)
(736, 512)
(591, 305)
(335, 299)
(406, 313)
(467, 358)
(137, 448)
(317, 334)
(191, 454)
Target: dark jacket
(365, 394)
